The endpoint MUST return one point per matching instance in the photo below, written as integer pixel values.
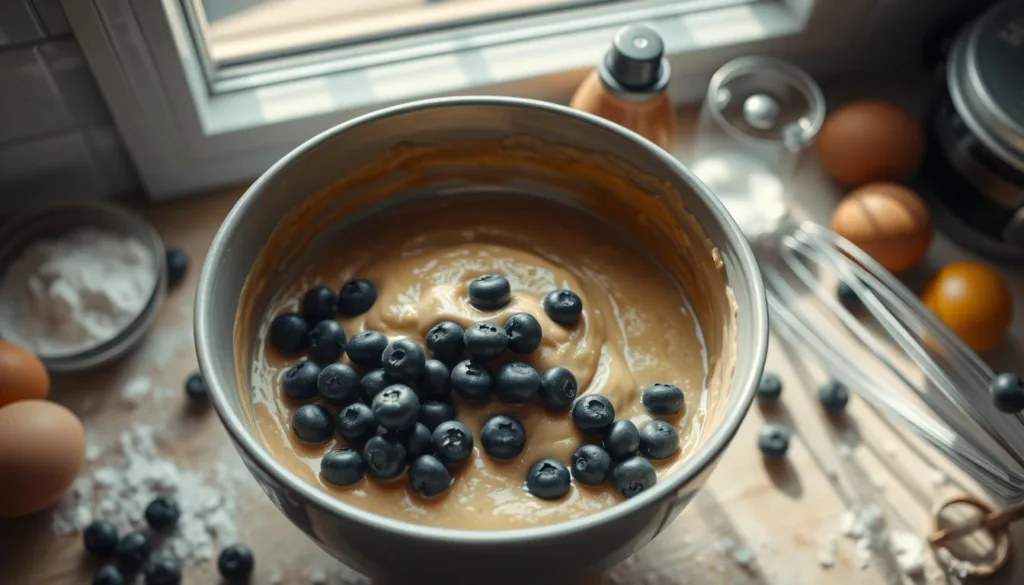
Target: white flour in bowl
(73, 293)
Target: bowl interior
(480, 144)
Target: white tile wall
(57, 139)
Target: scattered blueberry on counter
(289, 333)
(163, 570)
(485, 341)
(472, 382)
(162, 513)
(773, 440)
(108, 575)
(633, 476)
(503, 437)
(662, 399)
(590, 465)
(548, 479)
(563, 307)
(365, 349)
(558, 388)
(356, 297)
(177, 266)
(396, 408)
(428, 476)
(658, 439)
(1007, 391)
(516, 383)
(338, 384)
(311, 423)
(301, 381)
(445, 342)
(453, 442)
(404, 360)
(342, 467)
(384, 456)
(433, 413)
(318, 305)
(327, 342)
(356, 423)
(524, 333)
(489, 292)
(100, 538)
(593, 414)
(769, 389)
(235, 563)
(196, 390)
(833, 396)
(622, 440)
(436, 383)
(132, 551)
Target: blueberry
(342, 467)
(548, 479)
(235, 563)
(563, 307)
(312, 423)
(404, 361)
(1007, 391)
(338, 384)
(622, 440)
(356, 423)
(289, 333)
(108, 575)
(445, 342)
(356, 297)
(658, 439)
(485, 341)
(848, 297)
(162, 513)
(396, 407)
(418, 441)
(300, 381)
(132, 550)
(516, 383)
(773, 440)
(436, 382)
(558, 389)
(196, 390)
(633, 476)
(662, 399)
(593, 414)
(524, 333)
(489, 292)
(471, 381)
(502, 437)
(318, 305)
(366, 348)
(100, 537)
(590, 465)
(453, 442)
(833, 396)
(769, 389)
(433, 413)
(163, 570)
(326, 341)
(429, 477)
(384, 456)
(177, 265)
(372, 383)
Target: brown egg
(42, 449)
(888, 221)
(22, 375)
(973, 301)
(870, 141)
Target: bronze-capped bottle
(629, 86)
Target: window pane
(241, 31)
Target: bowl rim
(699, 462)
(32, 219)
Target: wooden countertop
(752, 524)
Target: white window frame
(184, 137)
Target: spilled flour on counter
(73, 293)
(130, 475)
(867, 527)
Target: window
(209, 93)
